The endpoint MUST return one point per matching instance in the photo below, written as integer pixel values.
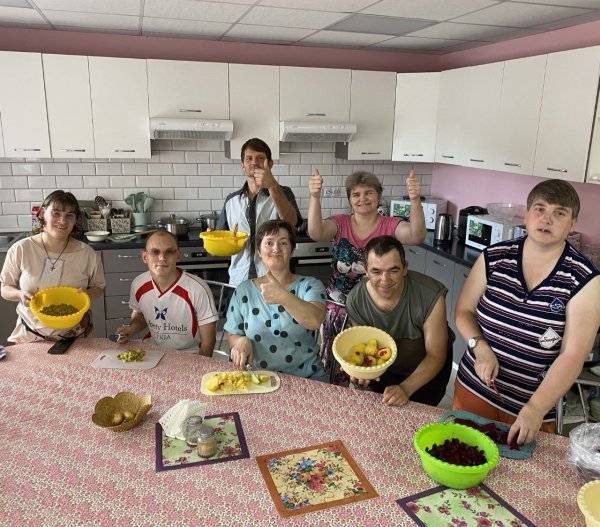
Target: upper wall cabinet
(567, 114)
(480, 104)
(23, 105)
(372, 95)
(518, 119)
(179, 88)
(67, 82)
(449, 146)
(593, 170)
(254, 105)
(416, 117)
(314, 94)
(120, 107)
(1, 138)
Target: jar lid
(205, 432)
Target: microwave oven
(484, 230)
(431, 208)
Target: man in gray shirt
(411, 307)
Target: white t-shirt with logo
(174, 316)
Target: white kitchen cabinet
(1, 138)
(449, 147)
(518, 119)
(372, 96)
(314, 94)
(23, 105)
(593, 170)
(415, 120)
(120, 107)
(178, 88)
(254, 106)
(567, 114)
(67, 81)
(480, 105)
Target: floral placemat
(174, 453)
(474, 507)
(313, 478)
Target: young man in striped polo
(529, 312)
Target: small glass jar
(207, 442)
(191, 429)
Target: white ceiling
(428, 26)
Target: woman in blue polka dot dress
(272, 320)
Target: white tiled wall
(185, 177)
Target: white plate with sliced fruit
(239, 382)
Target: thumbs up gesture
(413, 187)
(315, 184)
(263, 177)
(271, 290)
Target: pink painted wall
(113, 45)
(468, 186)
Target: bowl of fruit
(454, 455)
(364, 352)
(122, 412)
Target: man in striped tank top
(529, 312)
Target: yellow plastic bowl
(60, 295)
(588, 500)
(360, 334)
(223, 243)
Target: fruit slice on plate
(239, 382)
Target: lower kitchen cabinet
(415, 258)
(442, 269)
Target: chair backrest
(222, 293)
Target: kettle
(443, 228)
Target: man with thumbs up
(260, 199)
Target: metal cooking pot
(208, 222)
(175, 225)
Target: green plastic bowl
(448, 474)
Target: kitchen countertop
(455, 250)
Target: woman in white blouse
(49, 258)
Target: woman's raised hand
(272, 291)
(315, 184)
(413, 186)
(241, 353)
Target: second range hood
(311, 132)
(178, 128)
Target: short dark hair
(383, 245)
(363, 178)
(258, 145)
(65, 200)
(272, 227)
(556, 192)
(161, 232)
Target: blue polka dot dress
(280, 342)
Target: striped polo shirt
(524, 328)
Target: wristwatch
(472, 342)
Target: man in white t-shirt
(177, 307)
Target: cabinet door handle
(125, 302)
(413, 251)
(126, 150)
(127, 255)
(189, 110)
(564, 170)
(476, 160)
(315, 114)
(437, 262)
(370, 153)
(513, 164)
(413, 155)
(125, 279)
(72, 150)
(448, 156)
(27, 149)
(595, 177)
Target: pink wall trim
(580, 36)
(113, 45)
(467, 186)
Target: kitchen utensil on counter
(140, 218)
(101, 202)
(208, 222)
(96, 236)
(148, 202)
(443, 228)
(177, 226)
(463, 214)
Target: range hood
(311, 132)
(178, 128)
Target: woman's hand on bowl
(394, 395)
(315, 184)
(272, 291)
(241, 353)
(25, 297)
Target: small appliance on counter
(462, 219)
(431, 207)
(485, 230)
(443, 228)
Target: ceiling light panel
(274, 16)
(427, 9)
(113, 7)
(194, 10)
(383, 25)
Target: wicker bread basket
(122, 402)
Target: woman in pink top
(350, 233)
